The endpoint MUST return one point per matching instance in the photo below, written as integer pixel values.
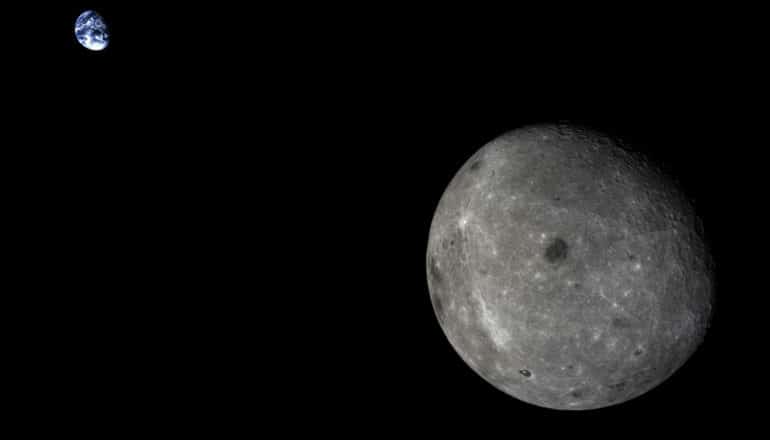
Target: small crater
(556, 198)
(475, 166)
(579, 394)
(570, 370)
(577, 286)
(638, 352)
(618, 322)
(643, 377)
(435, 272)
(631, 257)
(483, 271)
(556, 252)
(525, 373)
(617, 386)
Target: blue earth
(91, 31)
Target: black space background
(224, 215)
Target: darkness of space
(223, 217)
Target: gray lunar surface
(567, 270)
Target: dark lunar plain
(221, 221)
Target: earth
(91, 31)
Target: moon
(91, 31)
(567, 270)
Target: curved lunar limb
(568, 271)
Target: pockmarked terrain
(567, 270)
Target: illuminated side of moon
(567, 271)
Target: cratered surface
(567, 270)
